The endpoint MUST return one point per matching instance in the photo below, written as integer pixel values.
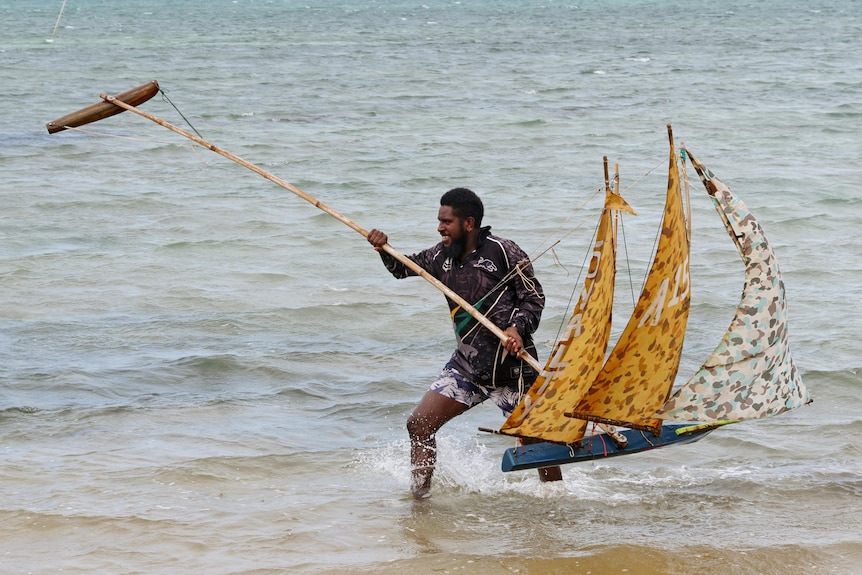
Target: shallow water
(201, 372)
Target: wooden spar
(104, 109)
(607, 181)
(112, 101)
(60, 15)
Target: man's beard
(454, 249)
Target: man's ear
(470, 223)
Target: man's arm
(378, 239)
(425, 258)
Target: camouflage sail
(579, 354)
(751, 373)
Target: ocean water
(202, 373)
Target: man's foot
(420, 493)
(420, 481)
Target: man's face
(449, 226)
(453, 230)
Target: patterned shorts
(452, 384)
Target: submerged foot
(420, 493)
(420, 482)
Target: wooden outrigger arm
(112, 105)
(133, 97)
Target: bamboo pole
(465, 305)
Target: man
(480, 267)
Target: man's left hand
(513, 344)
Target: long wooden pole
(338, 216)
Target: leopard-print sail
(579, 354)
(639, 373)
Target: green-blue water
(200, 372)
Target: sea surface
(200, 372)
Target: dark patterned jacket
(480, 355)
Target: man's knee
(418, 426)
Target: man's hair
(464, 204)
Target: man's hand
(377, 239)
(513, 344)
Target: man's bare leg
(545, 473)
(433, 411)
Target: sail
(579, 354)
(751, 373)
(639, 373)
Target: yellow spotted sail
(639, 373)
(577, 385)
(579, 354)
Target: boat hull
(599, 446)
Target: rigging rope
(168, 100)
(624, 244)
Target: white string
(136, 139)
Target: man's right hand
(377, 239)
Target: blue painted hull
(597, 447)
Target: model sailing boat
(750, 375)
